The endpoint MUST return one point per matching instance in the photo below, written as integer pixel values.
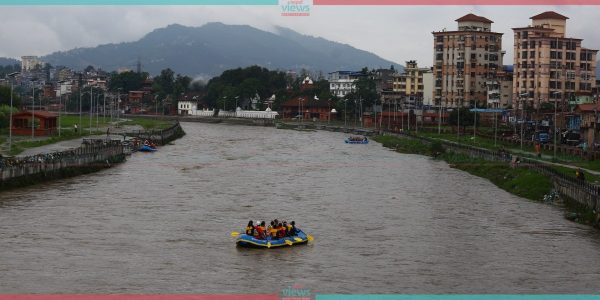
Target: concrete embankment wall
(162, 136)
(85, 159)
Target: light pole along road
(522, 109)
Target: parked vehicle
(541, 137)
(571, 138)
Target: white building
(342, 83)
(29, 63)
(428, 88)
(187, 108)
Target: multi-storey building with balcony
(499, 90)
(464, 60)
(548, 66)
(410, 84)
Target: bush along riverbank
(523, 182)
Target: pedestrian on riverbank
(579, 174)
(75, 127)
(538, 149)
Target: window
(524, 54)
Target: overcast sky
(397, 33)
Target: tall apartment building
(29, 63)
(548, 66)
(410, 84)
(464, 60)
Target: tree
(5, 115)
(164, 84)
(244, 84)
(466, 117)
(5, 96)
(127, 81)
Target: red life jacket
(260, 232)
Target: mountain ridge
(210, 49)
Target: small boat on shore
(147, 148)
(248, 241)
(357, 140)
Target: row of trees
(5, 70)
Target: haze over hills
(8, 61)
(210, 49)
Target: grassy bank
(149, 123)
(20, 146)
(21, 143)
(518, 181)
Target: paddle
(310, 238)
(297, 239)
(288, 242)
(268, 244)
(235, 233)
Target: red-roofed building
(549, 15)
(44, 122)
(474, 18)
(308, 108)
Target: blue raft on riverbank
(363, 141)
(245, 240)
(146, 148)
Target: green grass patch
(519, 181)
(404, 145)
(522, 182)
(19, 147)
(69, 121)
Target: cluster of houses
(551, 83)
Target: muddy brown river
(383, 222)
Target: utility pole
(10, 125)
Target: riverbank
(84, 158)
(520, 181)
(85, 130)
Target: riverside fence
(582, 192)
(89, 157)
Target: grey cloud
(396, 33)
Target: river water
(383, 222)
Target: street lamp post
(91, 105)
(440, 118)
(80, 124)
(522, 110)
(119, 104)
(458, 123)
(381, 115)
(59, 105)
(555, 131)
(475, 122)
(12, 82)
(33, 112)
